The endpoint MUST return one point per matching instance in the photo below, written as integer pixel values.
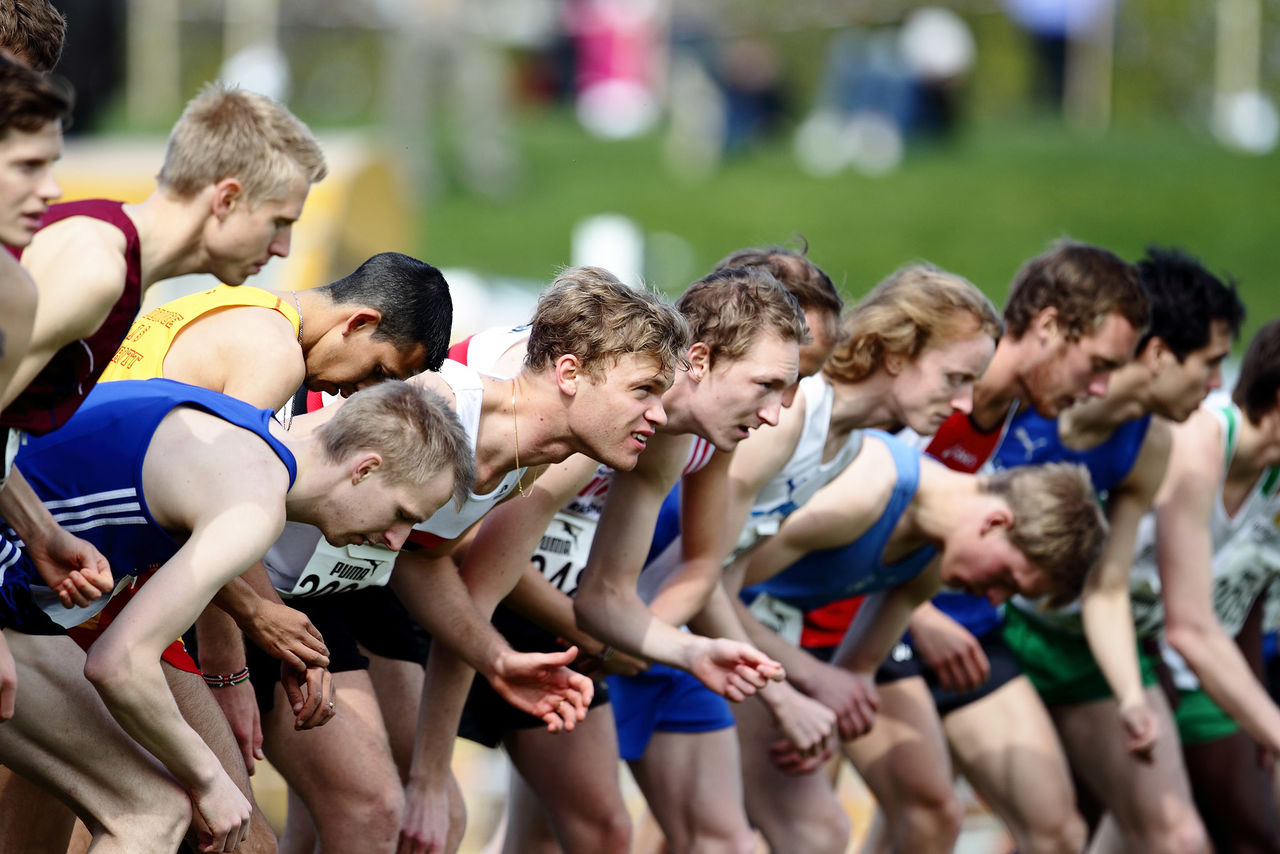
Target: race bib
(786, 620)
(563, 552)
(341, 569)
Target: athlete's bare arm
(608, 606)
(78, 266)
(1105, 608)
(234, 513)
(1184, 553)
(17, 316)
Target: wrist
(226, 679)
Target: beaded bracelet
(228, 680)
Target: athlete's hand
(429, 826)
(8, 680)
(732, 669)
(1141, 728)
(793, 762)
(240, 707)
(808, 726)
(542, 685)
(287, 634)
(950, 650)
(221, 815)
(71, 567)
(852, 696)
(310, 694)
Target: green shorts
(1059, 664)
(1200, 719)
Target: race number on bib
(341, 569)
(563, 552)
(786, 620)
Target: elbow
(589, 612)
(1189, 640)
(108, 669)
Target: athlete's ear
(227, 193)
(1155, 354)
(699, 360)
(997, 517)
(360, 318)
(366, 464)
(1045, 324)
(568, 370)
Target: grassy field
(979, 206)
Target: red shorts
(88, 632)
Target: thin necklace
(515, 424)
(298, 306)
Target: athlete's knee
(158, 823)
(1065, 833)
(928, 821)
(1187, 834)
(823, 827)
(608, 832)
(371, 811)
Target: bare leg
(63, 738)
(575, 776)
(693, 783)
(526, 824)
(32, 819)
(905, 762)
(343, 771)
(205, 716)
(299, 835)
(1233, 793)
(795, 813)
(1005, 744)
(1150, 801)
(398, 685)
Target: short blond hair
(418, 435)
(586, 312)
(729, 307)
(914, 308)
(227, 132)
(1058, 523)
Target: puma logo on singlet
(1029, 445)
(354, 572)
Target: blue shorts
(663, 699)
(17, 609)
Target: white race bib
(563, 552)
(786, 620)
(341, 569)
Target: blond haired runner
(587, 376)
(218, 479)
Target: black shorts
(903, 663)
(486, 717)
(372, 618)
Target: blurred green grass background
(979, 205)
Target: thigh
(574, 774)
(778, 803)
(693, 783)
(1233, 792)
(1141, 795)
(398, 685)
(1006, 746)
(63, 738)
(348, 755)
(904, 758)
